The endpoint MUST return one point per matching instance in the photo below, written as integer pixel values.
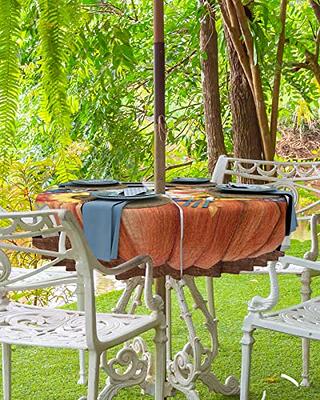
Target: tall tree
(245, 126)
(237, 25)
(210, 85)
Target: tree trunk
(316, 9)
(246, 132)
(210, 87)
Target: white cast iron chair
(300, 320)
(47, 276)
(85, 331)
(288, 176)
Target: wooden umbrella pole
(159, 110)
(159, 97)
(159, 123)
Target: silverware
(207, 202)
(179, 200)
(187, 203)
(196, 203)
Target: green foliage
(54, 55)
(300, 84)
(24, 179)
(86, 83)
(9, 74)
(53, 23)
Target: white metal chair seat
(301, 320)
(291, 269)
(38, 326)
(21, 279)
(55, 276)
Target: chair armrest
(313, 253)
(302, 262)
(259, 304)
(153, 302)
(122, 268)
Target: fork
(196, 203)
(187, 203)
(207, 202)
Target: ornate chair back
(16, 232)
(300, 178)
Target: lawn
(44, 374)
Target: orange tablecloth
(234, 233)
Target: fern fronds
(9, 71)
(54, 56)
(67, 166)
(54, 28)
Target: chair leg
(160, 340)
(82, 357)
(247, 343)
(6, 371)
(168, 306)
(93, 375)
(305, 295)
(211, 303)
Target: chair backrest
(298, 177)
(16, 232)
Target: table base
(130, 367)
(192, 363)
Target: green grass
(43, 374)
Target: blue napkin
(291, 216)
(101, 224)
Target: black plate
(190, 181)
(112, 195)
(245, 188)
(90, 182)
(133, 184)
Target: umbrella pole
(159, 110)
(159, 121)
(159, 97)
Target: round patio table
(187, 236)
(230, 234)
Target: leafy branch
(54, 52)
(9, 72)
